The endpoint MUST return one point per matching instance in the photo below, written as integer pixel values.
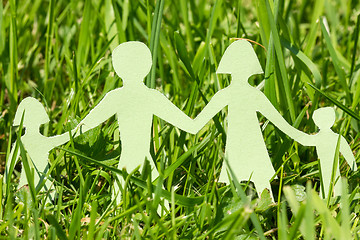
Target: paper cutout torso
(245, 148)
(134, 105)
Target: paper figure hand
(301, 137)
(199, 123)
(216, 104)
(166, 110)
(193, 129)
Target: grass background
(60, 53)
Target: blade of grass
(84, 35)
(280, 59)
(154, 41)
(302, 57)
(356, 39)
(186, 201)
(335, 167)
(270, 86)
(59, 231)
(340, 105)
(337, 64)
(49, 36)
(311, 38)
(110, 26)
(244, 199)
(263, 22)
(309, 215)
(118, 21)
(345, 210)
(29, 171)
(189, 36)
(12, 82)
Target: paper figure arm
(100, 113)
(216, 104)
(347, 153)
(166, 110)
(269, 111)
(63, 138)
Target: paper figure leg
(117, 189)
(119, 183)
(23, 180)
(9, 161)
(154, 175)
(129, 160)
(260, 185)
(326, 177)
(224, 175)
(40, 178)
(23, 177)
(338, 185)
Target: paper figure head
(132, 61)
(240, 59)
(324, 117)
(34, 115)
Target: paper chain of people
(134, 106)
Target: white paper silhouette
(134, 105)
(325, 142)
(36, 145)
(245, 148)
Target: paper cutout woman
(245, 148)
(36, 145)
(325, 142)
(134, 105)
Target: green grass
(60, 53)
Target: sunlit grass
(60, 53)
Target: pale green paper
(325, 142)
(134, 105)
(245, 148)
(36, 145)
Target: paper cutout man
(36, 145)
(325, 142)
(245, 148)
(134, 105)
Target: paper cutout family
(134, 105)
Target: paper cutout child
(134, 105)
(36, 145)
(325, 142)
(245, 148)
